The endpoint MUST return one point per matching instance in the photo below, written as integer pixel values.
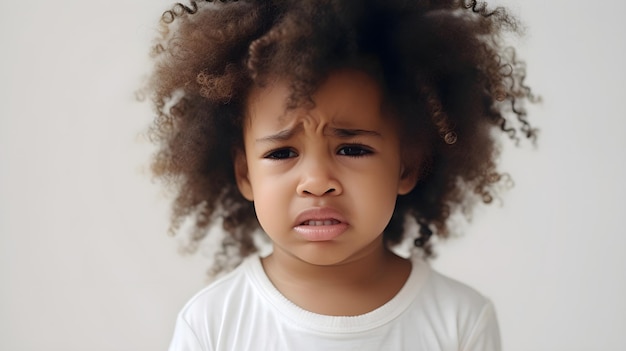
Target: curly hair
(441, 65)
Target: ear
(408, 180)
(241, 175)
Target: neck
(353, 287)
(364, 266)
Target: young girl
(337, 127)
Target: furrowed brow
(348, 133)
(283, 135)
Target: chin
(323, 255)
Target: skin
(324, 182)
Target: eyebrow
(348, 133)
(342, 133)
(283, 135)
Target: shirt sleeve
(185, 339)
(485, 335)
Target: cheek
(376, 199)
(382, 196)
(270, 203)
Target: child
(335, 126)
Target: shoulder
(461, 310)
(453, 292)
(216, 311)
(221, 295)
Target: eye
(354, 150)
(281, 154)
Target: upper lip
(319, 214)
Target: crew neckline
(393, 308)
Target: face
(324, 181)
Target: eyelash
(353, 150)
(279, 154)
(357, 150)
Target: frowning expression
(324, 181)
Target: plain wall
(85, 260)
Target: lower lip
(321, 232)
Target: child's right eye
(281, 154)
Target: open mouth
(321, 222)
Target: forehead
(345, 98)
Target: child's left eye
(354, 151)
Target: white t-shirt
(244, 311)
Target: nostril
(331, 190)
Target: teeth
(324, 222)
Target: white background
(85, 261)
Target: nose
(318, 178)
